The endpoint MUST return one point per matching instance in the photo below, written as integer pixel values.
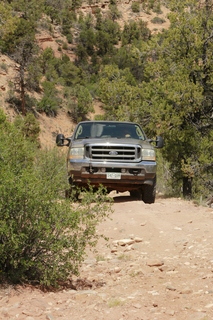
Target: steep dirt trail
(157, 265)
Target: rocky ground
(157, 265)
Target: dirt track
(158, 265)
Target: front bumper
(114, 176)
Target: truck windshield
(102, 130)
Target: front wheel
(149, 193)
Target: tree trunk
(22, 89)
(187, 187)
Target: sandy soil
(157, 265)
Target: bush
(158, 20)
(29, 127)
(135, 7)
(50, 101)
(4, 67)
(69, 38)
(80, 102)
(43, 237)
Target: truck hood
(112, 141)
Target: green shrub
(69, 38)
(50, 101)
(29, 127)
(157, 20)
(135, 7)
(79, 102)
(16, 103)
(113, 12)
(43, 237)
(157, 8)
(65, 46)
(4, 67)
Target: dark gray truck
(114, 154)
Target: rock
(129, 248)
(163, 268)
(137, 239)
(177, 228)
(137, 305)
(209, 306)
(186, 291)
(117, 270)
(171, 288)
(125, 242)
(155, 263)
(36, 312)
(170, 312)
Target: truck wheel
(149, 193)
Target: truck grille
(113, 153)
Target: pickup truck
(116, 155)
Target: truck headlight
(76, 153)
(148, 154)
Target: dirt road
(158, 265)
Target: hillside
(62, 122)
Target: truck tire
(149, 193)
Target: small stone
(163, 268)
(137, 239)
(171, 288)
(137, 305)
(155, 263)
(186, 291)
(209, 306)
(170, 312)
(29, 313)
(177, 228)
(117, 270)
(129, 248)
(125, 242)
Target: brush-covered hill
(49, 34)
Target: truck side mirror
(159, 142)
(60, 140)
